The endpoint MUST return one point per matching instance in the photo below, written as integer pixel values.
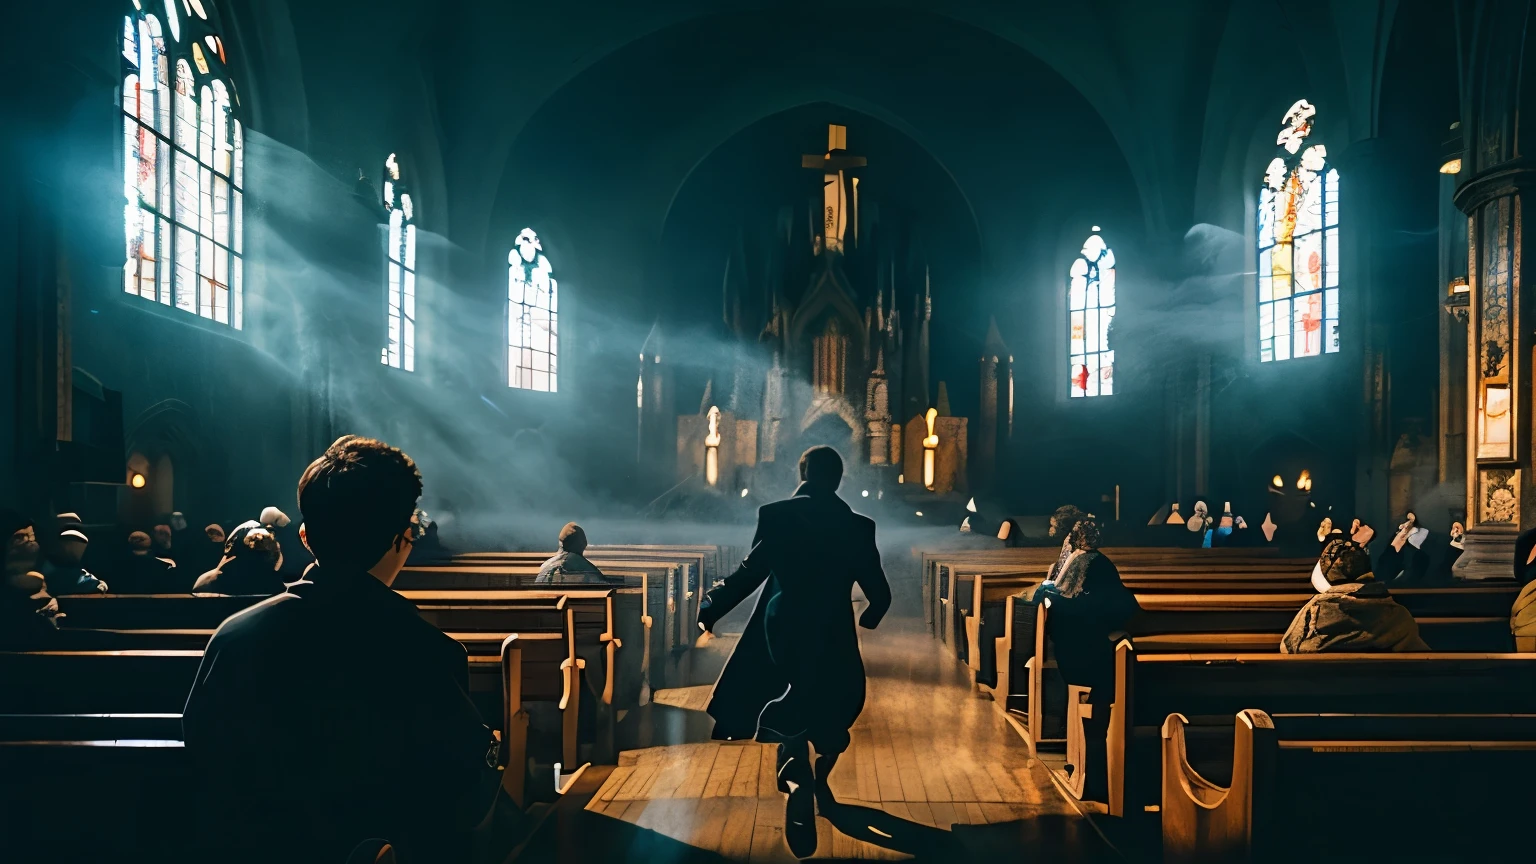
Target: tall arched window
(183, 162)
(1091, 308)
(1298, 246)
(533, 335)
(400, 302)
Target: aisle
(934, 772)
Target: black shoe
(800, 808)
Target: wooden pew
(988, 590)
(949, 589)
(559, 625)
(641, 606)
(1149, 687)
(938, 587)
(1245, 802)
(1450, 619)
(671, 575)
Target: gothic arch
(170, 430)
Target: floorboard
(933, 771)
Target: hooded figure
(27, 612)
(1086, 602)
(796, 677)
(568, 566)
(64, 573)
(252, 559)
(1352, 611)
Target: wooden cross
(834, 165)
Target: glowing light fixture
(1451, 150)
(865, 493)
(137, 481)
(1304, 482)
(919, 512)
(1458, 298)
(1279, 483)
(901, 478)
(930, 448)
(744, 493)
(712, 448)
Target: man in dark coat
(796, 677)
(335, 713)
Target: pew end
(1202, 821)
(564, 781)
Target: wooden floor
(934, 772)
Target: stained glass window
(400, 300)
(533, 335)
(1090, 309)
(183, 164)
(1298, 263)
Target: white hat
(274, 517)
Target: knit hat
(1342, 561)
(572, 538)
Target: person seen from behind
(348, 713)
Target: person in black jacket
(796, 677)
(1086, 602)
(334, 713)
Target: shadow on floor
(880, 828)
(579, 836)
(1045, 837)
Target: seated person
(430, 547)
(1352, 611)
(1061, 525)
(251, 564)
(347, 712)
(162, 536)
(27, 612)
(567, 566)
(64, 573)
(145, 573)
(1087, 602)
(1405, 561)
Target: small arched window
(183, 161)
(1090, 309)
(533, 335)
(1298, 254)
(400, 284)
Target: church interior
(1201, 318)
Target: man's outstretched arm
(872, 582)
(739, 585)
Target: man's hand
(101, 587)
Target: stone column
(1493, 194)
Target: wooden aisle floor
(934, 772)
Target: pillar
(1494, 195)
